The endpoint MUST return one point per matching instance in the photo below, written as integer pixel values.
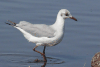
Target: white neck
(59, 24)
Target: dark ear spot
(61, 14)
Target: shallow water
(80, 43)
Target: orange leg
(45, 60)
(36, 50)
(43, 54)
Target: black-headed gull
(44, 35)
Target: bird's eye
(66, 14)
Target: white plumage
(45, 35)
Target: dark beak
(73, 18)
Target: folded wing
(38, 30)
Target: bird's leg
(43, 54)
(45, 59)
(44, 50)
(36, 50)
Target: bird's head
(64, 13)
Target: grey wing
(38, 30)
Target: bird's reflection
(40, 61)
(44, 64)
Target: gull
(42, 34)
